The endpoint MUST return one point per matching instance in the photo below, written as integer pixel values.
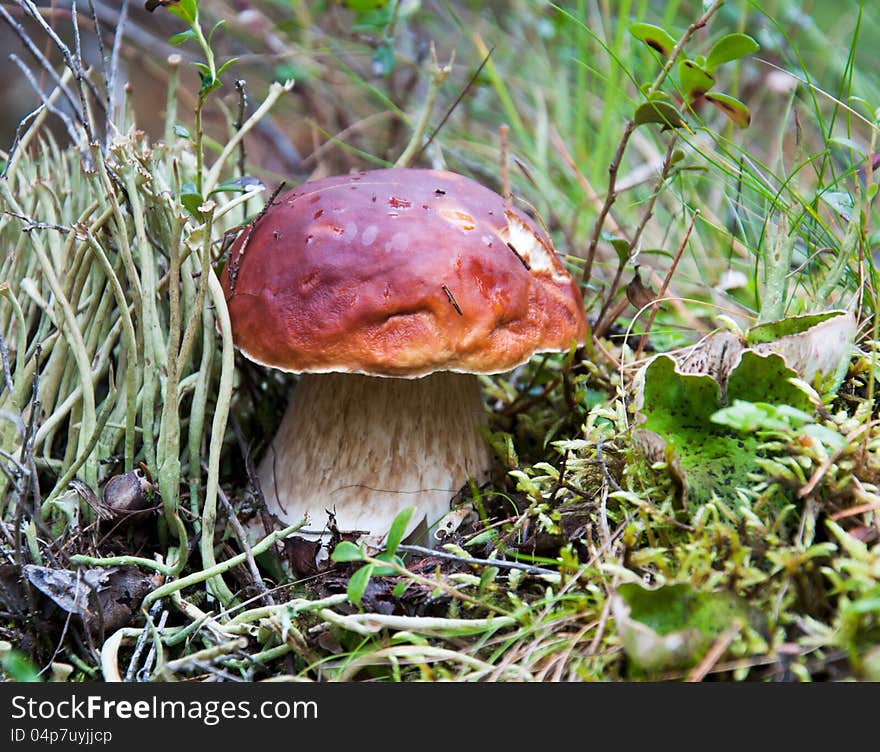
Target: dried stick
(672, 267)
(611, 195)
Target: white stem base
(365, 448)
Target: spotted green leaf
(731, 107)
(655, 37)
(695, 81)
(658, 111)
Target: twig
(41, 60)
(74, 64)
(452, 107)
(44, 98)
(144, 674)
(414, 148)
(112, 70)
(275, 92)
(662, 293)
(604, 321)
(714, 653)
(139, 646)
(611, 194)
(239, 122)
(504, 156)
(500, 563)
(242, 538)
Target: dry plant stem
(241, 164)
(629, 127)
(141, 643)
(276, 90)
(714, 653)
(156, 651)
(604, 320)
(59, 81)
(592, 197)
(74, 63)
(504, 155)
(500, 563)
(242, 539)
(662, 293)
(69, 125)
(439, 74)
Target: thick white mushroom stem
(366, 447)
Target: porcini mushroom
(388, 291)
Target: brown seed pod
(127, 498)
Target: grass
(118, 359)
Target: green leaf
(223, 68)
(361, 5)
(398, 590)
(501, 443)
(655, 111)
(817, 346)
(188, 10)
(398, 529)
(242, 184)
(357, 585)
(731, 107)
(841, 201)
(653, 36)
(372, 20)
(773, 330)
(695, 81)
(191, 199)
(214, 28)
(183, 36)
(384, 60)
(621, 247)
(208, 79)
(730, 47)
(347, 551)
(19, 667)
(389, 571)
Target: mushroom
(388, 291)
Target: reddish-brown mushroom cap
(398, 272)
